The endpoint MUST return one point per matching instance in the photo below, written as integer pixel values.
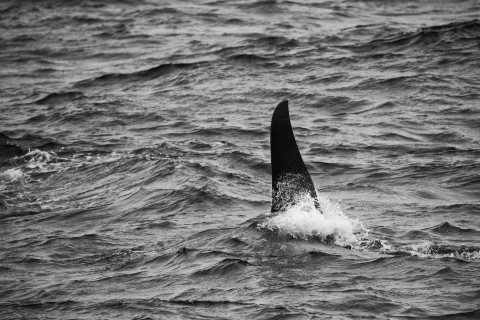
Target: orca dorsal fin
(290, 177)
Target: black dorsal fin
(290, 176)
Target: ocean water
(135, 178)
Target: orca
(290, 177)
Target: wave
(60, 97)
(9, 151)
(24, 148)
(273, 43)
(339, 105)
(155, 12)
(460, 209)
(140, 76)
(250, 58)
(430, 249)
(224, 268)
(450, 228)
(455, 35)
(81, 3)
(424, 249)
(262, 6)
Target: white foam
(36, 158)
(12, 175)
(426, 249)
(303, 220)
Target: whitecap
(303, 220)
(12, 175)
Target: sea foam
(303, 220)
(12, 175)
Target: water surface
(135, 171)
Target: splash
(376, 245)
(36, 159)
(12, 175)
(304, 220)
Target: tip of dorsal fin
(290, 177)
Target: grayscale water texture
(135, 171)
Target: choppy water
(135, 160)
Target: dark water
(135, 159)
